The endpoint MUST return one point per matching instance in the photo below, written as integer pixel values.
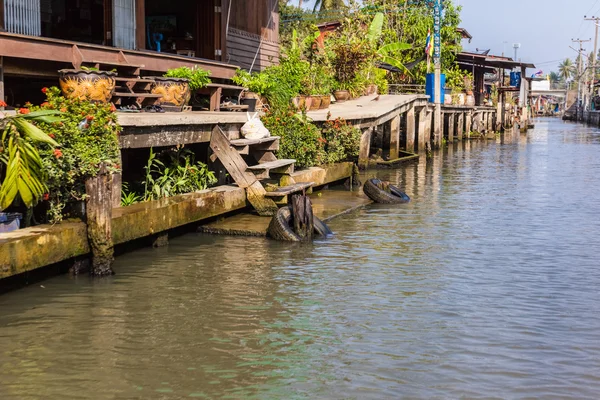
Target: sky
(544, 28)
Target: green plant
(88, 136)
(198, 77)
(455, 78)
(341, 140)
(301, 140)
(129, 197)
(180, 174)
(25, 174)
(256, 82)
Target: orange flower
(44, 90)
(57, 153)
(3, 104)
(51, 135)
(90, 117)
(112, 107)
(45, 104)
(24, 111)
(46, 196)
(63, 110)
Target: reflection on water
(486, 284)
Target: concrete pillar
(451, 122)
(410, 130)
(460, 124)
(422, 130)
(438, 125)
(490, 122)
(394, 129)
(468, 123)
(477, 122)
(365, 148)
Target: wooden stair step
(287, 190)
(114, 64)
(250, 142)
(134, 80)
(263, 170)
(145, 95)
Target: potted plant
(88, 84)
(257, 85)
(177, 84)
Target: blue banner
(437, 27)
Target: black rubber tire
(280, 226)
(321, 227)
(397, 192)
(373, 190)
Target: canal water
(487, 285)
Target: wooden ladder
(230, 152)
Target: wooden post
(302, 214)
(490, 125)
(410, 129)
(1, 70)
(468, 123)
(450, 127)
(140, 24)
(365, 148)
(117, 186)
(99, 221)
(394, 128)
(460, 125)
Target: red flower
(3, 104)
(51, 135)
(57, 153)
(24, 111)
(90, 117)
(117, 166)
(44, 90)
(45, 104)
(46, 196)
(112, 107)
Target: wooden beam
(468, 123)
(422, 136)
(140, 24)
(451, 128)
(1, 15)
(460, 124)
(365, 148)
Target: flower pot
(175, 92)
(325, 101)
(461, 99)
(341, 95)
(302, 102)
(447, 99)
(470, 100)
(251, 103)
(315, 103)
(96, 86)
(370, 90)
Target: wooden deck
(15, 48)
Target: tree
(566, 69)
(326, 5)
(554, 79)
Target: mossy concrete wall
(27, 249)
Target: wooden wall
(253, 33)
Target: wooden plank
(365, 148)
(283, 163)
(286, 190)
(250, 142)
(394, 128)
(236, 166)
(215, 99)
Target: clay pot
(315, 103)
(325, 101)
(341, 95)
(447, 99)
(95, 86)
(461, 99)
(175, 92)
(470, 100)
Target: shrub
(342, 140)
(198, 77)
(300, 139)
(87, 134)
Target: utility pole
(596, 21)
(437, 62)
(580, 71)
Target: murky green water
(487, 285)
